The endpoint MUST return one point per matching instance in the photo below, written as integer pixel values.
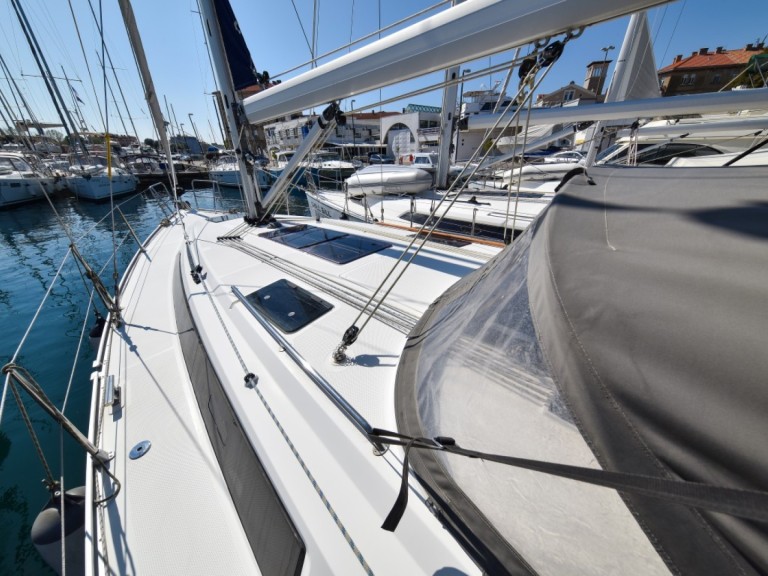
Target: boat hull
(15, 191)
(100, 187)
(320, 209)
(231, 178)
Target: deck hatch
(289, 307)
(338, 247)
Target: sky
(278, 41)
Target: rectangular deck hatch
(287, 306)
(338, 247)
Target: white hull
(99, 187)
(226, 177)
(242, 385)
(20, 190)
(335, 513)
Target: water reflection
(33, 245)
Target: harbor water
(34, 241)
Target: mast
(13, 124)
(50, 82)
(149, 88)
(212, 32)
(15, 90)
(117, 81)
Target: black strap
(398, 509)
(752, 504)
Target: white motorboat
(226, 172)
(274, 395)
(327, 169)
(384, 179)
(20, 182)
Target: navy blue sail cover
(240, 62)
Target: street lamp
(354, 137)
(183, 137)
(603, 70)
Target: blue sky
(178, 60)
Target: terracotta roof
(726, 58)
(572, 86)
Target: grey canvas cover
(645, 300)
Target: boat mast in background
(634, 77)
(50, 81)
(448, 122)
(149, 88)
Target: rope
(50, 482)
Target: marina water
(33, 244)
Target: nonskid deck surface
(174, 511)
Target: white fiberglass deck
(174, 513)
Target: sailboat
(98, 180)
(591, 399)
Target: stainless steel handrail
(346, 408)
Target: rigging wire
(303, 31)
(519, 180)
(674, 29)
(353, 332)
(105, 51)
(204, 74)
(441, 84)
(374, 34)
(351, 26)
(115, 274)
(29, 329)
